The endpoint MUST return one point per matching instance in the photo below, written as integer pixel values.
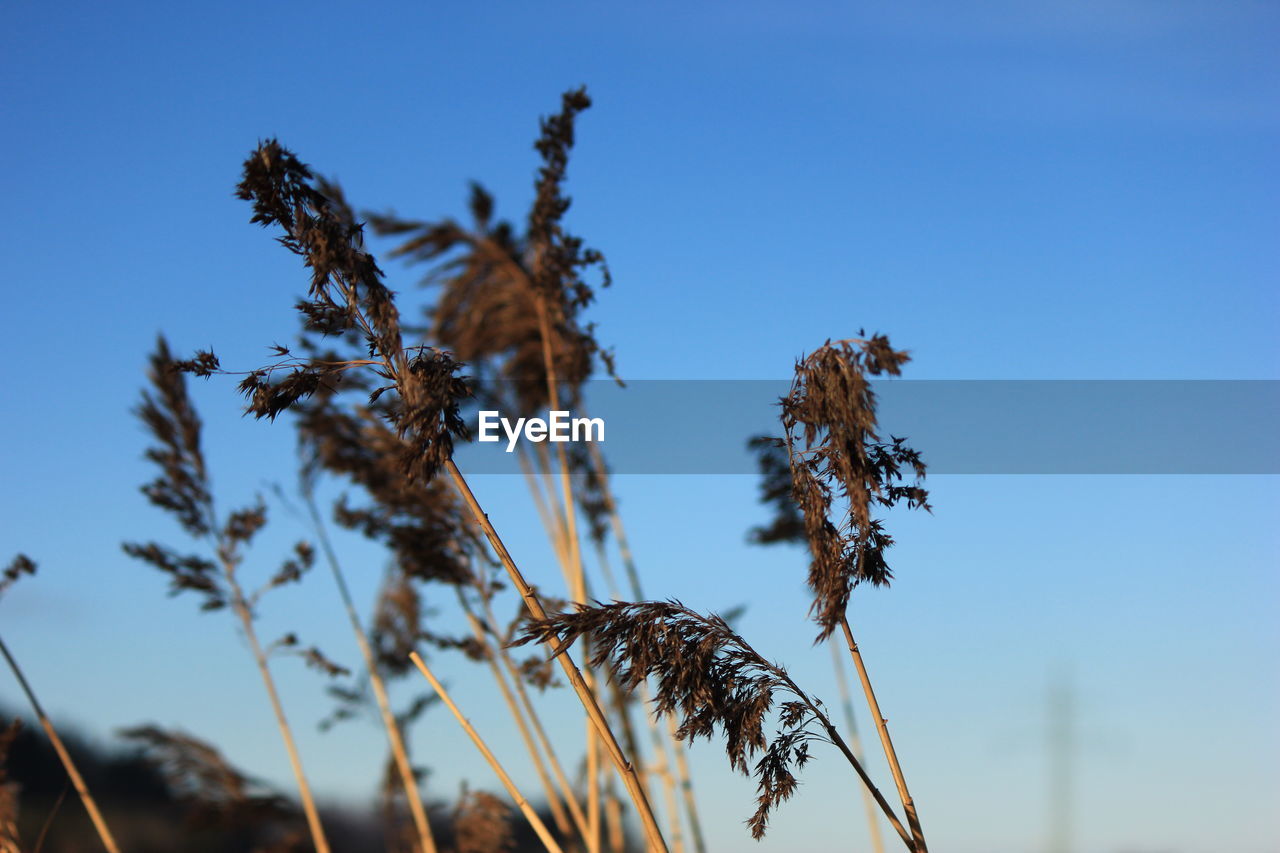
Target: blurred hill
(147, 815)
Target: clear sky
(1031, 191)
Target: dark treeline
(148, 816)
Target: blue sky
(1029, 191)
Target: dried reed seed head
(289, 644)
(706, 675)
(320, 226)
(268, 396)
(317, 660)
(215, 792)
(397, 623)
(428, 417)
(356, 699)
(187, 572)
(495, 286)
(559, 255)
(294, 566)
(836, 457)
(558, 259)
(10, 842)
(787, 524)
(20, 565)
(399, 627)
(203, 364)
(538, 672)
(183, 489)
(419, 519)
(591, 491)
(473, 649)
(182, 486)
(481, 206)
(243, 524)
(482, 823)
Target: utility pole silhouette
(1061, 744)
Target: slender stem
(869, 785)
(539, 827)
(593, 789)
(576, 571)
(241, 608)
(549, 522)
(686, 785)
(557, 530)
(566, 788)
(855, 744)
(615, 520)
(662, 767)
(579, 590)
(554, 502)
(834, 735)
(491, 657)
(585, 696)
(10, 843)
(633, 576)
(618, 702)
(90, 804)
(613, 818)
(882, 726)
(399, 753)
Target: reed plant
(347, 294)
(216, 794)
(183, 489)
(825, 478)
(716, 683)
(378, 395)
(21, 566)
(510, 305)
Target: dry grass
(378, 399)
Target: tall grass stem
(90, 805)
(539, 827)
(652, 832)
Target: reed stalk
(550, 521)
(834, 455)
(347, 292)
(882, 726)
(183, 489)
(77, 781)
(240, 606)
(613, 818)
(491, 658)
(574, 569)
(400, 755)
(855, 744)
(712, 677)
(544, 834)
(652, 832)
(662, 768)
(593, 786)
(557, 770)
(685, 780)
